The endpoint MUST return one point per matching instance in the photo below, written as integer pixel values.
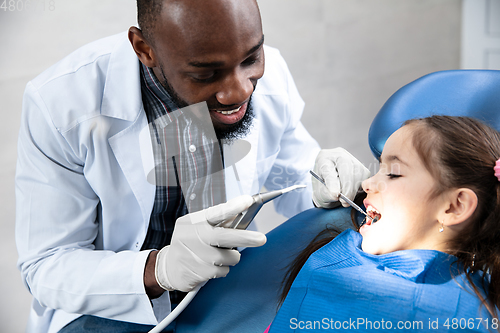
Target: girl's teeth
(371, 209)
(230, 111)
(373, 213)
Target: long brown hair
(459, 152)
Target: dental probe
(349, 201)
(241, 221)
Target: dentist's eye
(251, 60)
(393, 176)
(203, 77)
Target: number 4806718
(27, 5)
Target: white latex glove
(199, 251)
(342, 173)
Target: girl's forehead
(399, 144)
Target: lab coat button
(192, 196)
(192, 148)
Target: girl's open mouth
(374, 214)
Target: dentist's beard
(227, 132)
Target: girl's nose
(368, 184)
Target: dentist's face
(211, 51)
(399, 194)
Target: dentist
(107, 241)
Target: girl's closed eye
(393, 176)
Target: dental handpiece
(242, 220)
(349, 201)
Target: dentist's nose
(236, 89)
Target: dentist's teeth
(230, 111)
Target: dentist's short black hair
(148, 12)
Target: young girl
(431, 261)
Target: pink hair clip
(497, 169)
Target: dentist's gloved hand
(342, 173)
(199, 251)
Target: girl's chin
(368, 246)
(362, 230)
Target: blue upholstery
(473, 93)
(245, 301)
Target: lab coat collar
(122, 99)
(123, 77)
(133, 151)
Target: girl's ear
(461, 205)
(141, 47)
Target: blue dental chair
(246, 299)
(472, 93)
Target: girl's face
(400, 195)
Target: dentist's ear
(142, 47)
(461, 205)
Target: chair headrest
(472, 93)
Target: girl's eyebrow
(392, 158)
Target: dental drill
(243, 219)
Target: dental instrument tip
(292, 188)
(315, 175)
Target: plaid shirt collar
(158, 102)
(188, 143)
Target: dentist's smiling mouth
(229, 117)
(230, 111)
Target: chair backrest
(472, 93)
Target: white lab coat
(83, 201)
